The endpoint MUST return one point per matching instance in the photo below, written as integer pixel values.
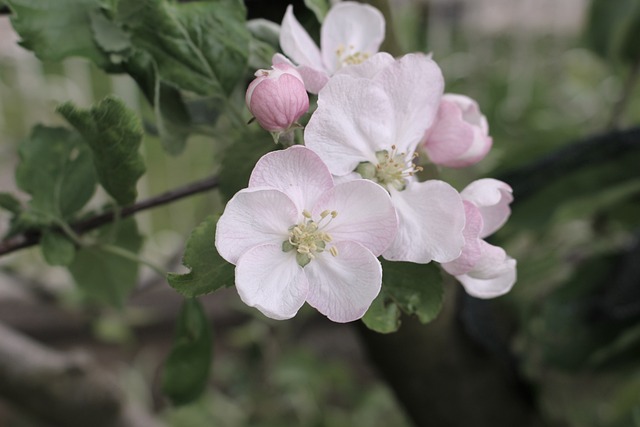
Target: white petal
(343, 287)
(271, 281)
(297, 171)
(254, 217)
(356, 27)
(296, 42)
(365, 214)
(415, 85)
(493, 275)
(431, 219)
(353, 120)
(314, 79)
(492, 197)
(370, 68)
(472, 250)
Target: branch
(63, 389)
(31, 238)
(4, 10)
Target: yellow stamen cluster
(308, 239)
(348, 56)
(392, 168)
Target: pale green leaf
(107, 34)
(186, 371)
(318, 7)
(103, 276)
(383, 316)
(56, 169)
(114, 134)
(209, 272)
(9, 203)
(56, 248)
(201, 46)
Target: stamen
(392, 169)
(307, 238)
(334, 251)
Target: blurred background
(558, 84)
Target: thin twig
(31, 238)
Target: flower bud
(459, 136)
(277, 97)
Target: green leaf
(318, 7)
(10, 203)
(103, 276)
(201, 46)
(55, 30)
(240, 158)
(613, 29)
(209, 272)
(114, 134)
(56, 248)
(416, 288)
(383, 316)
(172, 117)
(56, 169)
(108, 35)
(186, 371)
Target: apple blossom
(294, 236)
(369, 121)
(484, 270)
(351, 32)
(277, 97)
(460, 135)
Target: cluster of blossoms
(315, 218)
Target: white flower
(370, 119)
(294, 236)
(484, 270)
(351, 33)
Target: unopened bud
(277, 97)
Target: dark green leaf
(56, 169)
(186, 371)
(55, 30)
(416, 288)
(209, 272)
(114, 134)
(383, 316)
(201, 46)
(56, 248)
(613, 29)
(103, 276)
(240, 158)
(318, 7)
(108, 35)
(10, 203)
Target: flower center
(349, 56)
(308, 239)
(392, 169)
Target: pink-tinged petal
(492, 197)
(297, 171)
(472, 250)
(296, 42)
(365, 214)
(354, 119)
(279, 102)
(370, 68)
(414, 84)
(355, 28)
(490, 287)
(271, 281)
(314, 79)
(254, 217)
(431, 219)
(343, 287)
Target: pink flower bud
(459, 136)
(277, 97)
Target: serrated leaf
(416, 288)
(240, 158)
(58, 29)
(186, 371)
(383, 316)
(9, 203)
(56, 248)
(201, 46)
(103, 276)
(56, 169)
(107, 34)
(209, 271)
(318, 7)
(114, 134)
